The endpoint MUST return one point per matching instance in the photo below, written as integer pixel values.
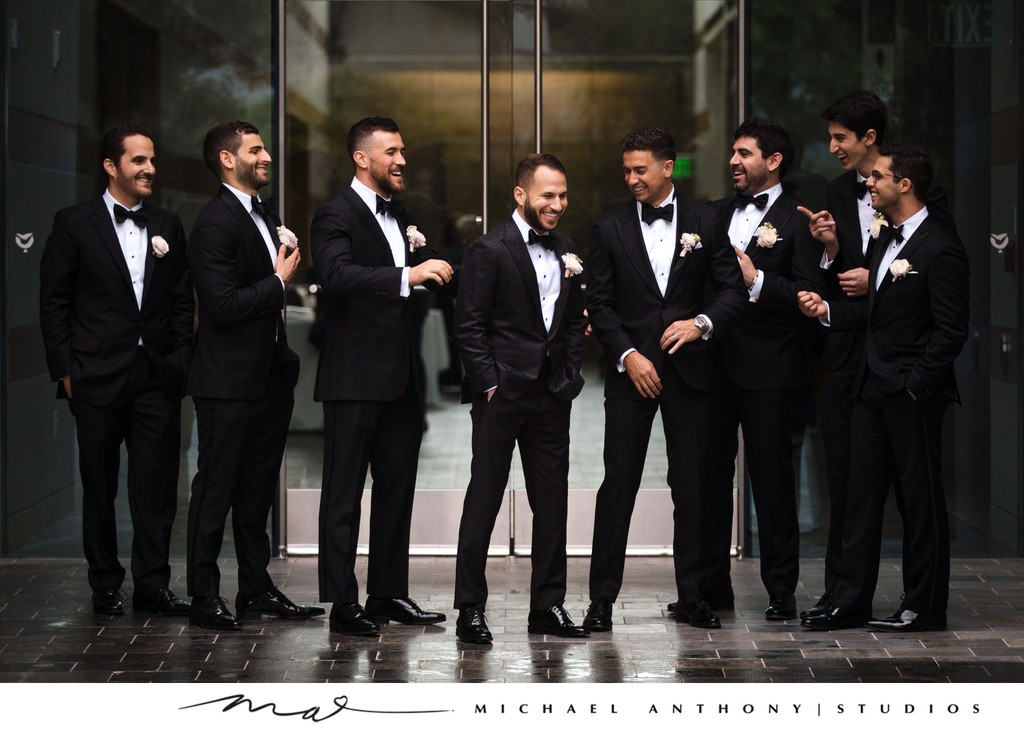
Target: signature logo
(25, 241)
(999, 241)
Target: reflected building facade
(476, 85)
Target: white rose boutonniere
(767, 235)
(415, 237)
(690, 242)
(573, 264)
(287, 237)
(900, 269)
(877, 222)
(160, 246)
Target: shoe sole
(211, 627)
(271, 614)
(684, 620)
(552, 632)
(383, 620)
(367, 632)
(597, 626)
(477, 640)
(926, 627)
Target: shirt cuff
(621, 366)
(826, 263)
(403, 291)
(826, 320)
(755, 290)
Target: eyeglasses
(879, 176)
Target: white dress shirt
(133, 241)
(549, 272)
(392, 231)
(744, 223)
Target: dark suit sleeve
(575, 326)
(725, 279)
(473, 316)
(949, 303)
(212, 257)
(806, 272)
(847, 315)
(601, 296)
(331, 242)
(183, 300)
(58, 272)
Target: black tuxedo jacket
(762, 348)
(241, 331)
(367, 349)
(915, 325)
(498, 324)
(628, 311)
(90, 320)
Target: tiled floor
(48, 633)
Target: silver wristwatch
(703, 323)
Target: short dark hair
(654, 139)
(529, 165)
(225, 136)
(912, 163)
(362, 130)
(771, 138)
(859, 112)
(112, 142)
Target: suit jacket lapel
(778, 216)
(848, 224)
(561, 249)
(513, 241)
(632, 240)
(244, 219)
(154, 227)
(686, 222)
(370, 225)
(100, 218)
(907, 253)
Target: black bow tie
(743, 201)
(121, 213)
(891, 233)
(859, 188)
(261, 207)
(544, 240)
(389, 206)
(651, 214)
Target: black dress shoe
(211, 612)
(161, 601)
(555, 621)
(108, 601)
(781, 607)
(599, 616)
(471, 626)
(402, 610)
(351, 618)
(820, 608)
(273, 603)
(698, 614)
(909, 621)
(835, 619)
(721, 602)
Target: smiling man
(762, 363)
(915, 320)
(116, 314)
(368, 256)
(519, 326)
(241, 376)
(653, 263)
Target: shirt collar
(244, 199)
(110, 201)
(911, 224)
(367, 194)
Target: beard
(386, 182)
(248, 176)
(532, 217)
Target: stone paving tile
(48, 633)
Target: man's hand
(746, 267)
(66, 381)
(811, 304)
(823, 228)
(644, 375)
(854, 282)
(590, 329)
(287, 264)
(679, 333)
(434, 269)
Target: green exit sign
(685, 167)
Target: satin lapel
(850, 225)
(371, 227)
(778, 216)
(561, 249)
(517, 248)
(632, 240)
(685, 223)
(245, 221)
(154, 227)
(100, 218)
(907, 253)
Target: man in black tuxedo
(241, 376)
(368, 257)
(653, 263)
(916, 321)
(519, 326)
(116, 312)
(762, 365)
